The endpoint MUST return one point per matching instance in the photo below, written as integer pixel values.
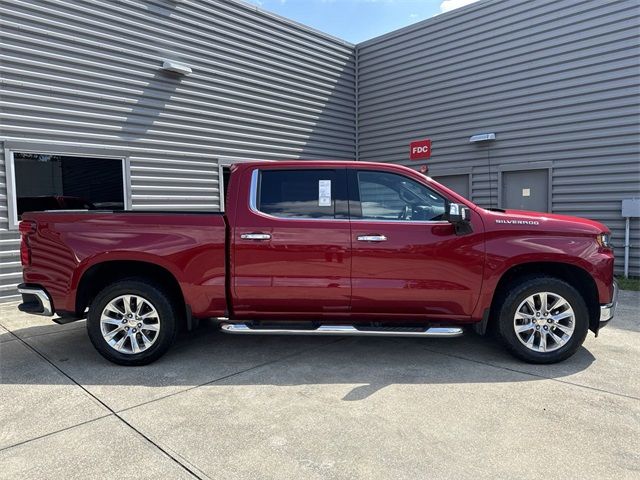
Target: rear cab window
(303, 193)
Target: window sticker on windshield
(324, 193)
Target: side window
(297, 193)
(388, 196)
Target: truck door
(292, 244)
(407, 260)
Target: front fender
(504, 253)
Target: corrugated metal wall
(557, 81)
(84, 76)
(10, 272)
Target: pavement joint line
(45, 435)
(116, 413)
(113, 412)
(43, 334)
(239, 372)
(299, 352)
(501, 367)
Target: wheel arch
(575, 276)
(99, 275)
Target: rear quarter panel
(189, 246)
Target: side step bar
(244, 329)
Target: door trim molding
(445, 172)
(223, 162)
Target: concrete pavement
(228, 407)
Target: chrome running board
(244, 329)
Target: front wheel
(131, 322)
(543, 320)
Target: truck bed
(189, 245)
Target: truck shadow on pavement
(207, 357)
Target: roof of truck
(321, 163)
(328, 163)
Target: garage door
(457, 183)
(526, 190)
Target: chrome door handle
(255, 236)
(372, 238)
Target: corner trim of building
(10, 179)
(356, 87)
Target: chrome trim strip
(402, 222)
(253, 191)
(608, 311)
(242, 328)
(42, 297)
(253, 202)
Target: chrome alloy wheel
(130, 324)
(544, 322)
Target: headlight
(604, 240)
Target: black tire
(522, 290)
(153, 294)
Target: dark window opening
(388, 196)
(59, 182)
(226, 176)
(297, 194)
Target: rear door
(407, 260)
(291, 244)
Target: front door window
(388, 196)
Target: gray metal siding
(557, 81)
(10, 269)
(84, 76)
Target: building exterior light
(176, 67)
(483, 137)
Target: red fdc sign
(420, 149)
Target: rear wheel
(543, 320)
(131, 322)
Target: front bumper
(35, 300)
(608, 311)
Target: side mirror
(460, 217)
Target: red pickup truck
(322, 248)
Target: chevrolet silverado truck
(322, 248)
